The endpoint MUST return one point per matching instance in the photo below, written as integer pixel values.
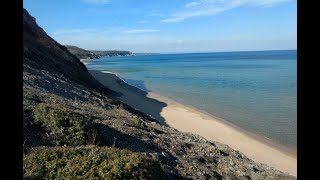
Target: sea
(254, 90)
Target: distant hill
(113, 53)
(89, 54)
(82, 53)
(141, 54)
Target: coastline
(188, 119)
(85, 63)
(206, 115)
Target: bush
(137, 122)
(64, 125)
(89, 162)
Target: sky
(169, 26)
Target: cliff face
(42, 52)
(87, 54)
(52, 75)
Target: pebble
(165, 154)
(154, 156)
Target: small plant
(137, 122)
(150, 129)
(89, 162)
(63, 125)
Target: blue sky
(169, 26)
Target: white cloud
(270, 2)
(212, 7)
(134, 31)
(88, 32)
(179, 41)
(98, 1)
(191, 4)
(73, 31)
(155, 13)
(102, 31)
(143, 22)
(159, 43)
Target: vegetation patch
(89, 162)
(137, 122)
(65, 126)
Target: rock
(165, 154)
(231, 162)
(154, 156)
(223, 153)
(240, 173)
(255, 169)
(202, 160)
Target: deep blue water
(254, 90)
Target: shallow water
(256, 91)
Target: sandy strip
(187, 119)
(85, 63)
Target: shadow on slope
(131, 95)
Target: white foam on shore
(109, 72)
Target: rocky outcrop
(53, 75)
(87, 54)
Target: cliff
(88, 54)
(72, 126)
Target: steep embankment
(87, 54)
(41, 52)
(64, 105)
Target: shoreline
(290, 150)
(85, 63)
(259, 137)
(189, 119)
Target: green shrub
(89, 162)
(137, 122)
(64, 125)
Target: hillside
(81, 53)
(113, 53)
(88, 54)
(72, 128)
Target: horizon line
(213, 51)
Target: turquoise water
(256, 91)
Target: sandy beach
(85, 63)
(188, 119)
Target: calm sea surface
(255, 90)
